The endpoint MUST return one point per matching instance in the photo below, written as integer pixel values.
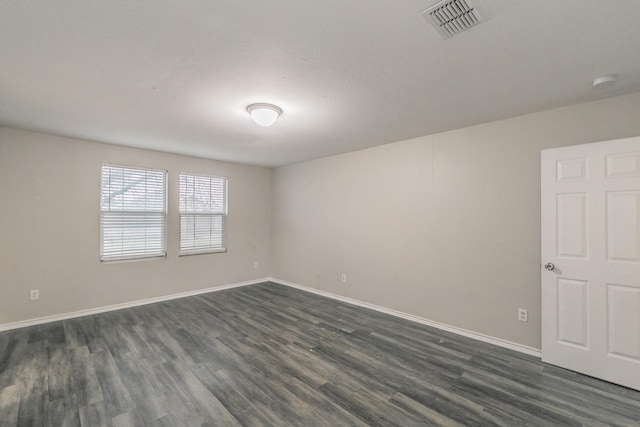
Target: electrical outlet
(256, 265)
(34, 294)
(343, 278)
(523, 315)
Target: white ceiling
(177, 76)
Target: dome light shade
(264, 114)
(604, 82)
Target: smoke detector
(451, 17)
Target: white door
(591, 248)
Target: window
(203, 214)
(133, 209)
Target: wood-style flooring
(269, 355)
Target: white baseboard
(466, 333)
(470, 334)
(81, 313)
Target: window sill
(135, 259)
(202, 252)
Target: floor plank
(269, 355)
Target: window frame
(163, 214)
(224, 215)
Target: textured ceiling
(177, 76)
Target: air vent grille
(451, 17)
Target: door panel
(590, 199)
(623, 312)
(623, 165)
(573, 312)
(623, 226)
(572, 225)
(572, 169)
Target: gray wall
(445, 227)
(49, 228)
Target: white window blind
(133, 209)
(203, 214)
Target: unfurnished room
(331, 213)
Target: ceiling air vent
(451, 17)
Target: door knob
(549, 266)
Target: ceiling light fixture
(603, 82)
(264, 114)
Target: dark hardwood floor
(269, 355)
